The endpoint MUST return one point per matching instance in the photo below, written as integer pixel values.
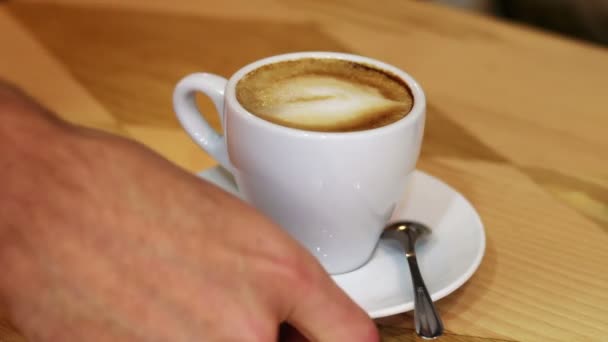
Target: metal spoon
(428, 322)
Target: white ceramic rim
(413, 116)
(396, 309)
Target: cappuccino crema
(324, 94)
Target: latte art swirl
(324, 100)
(324, 95)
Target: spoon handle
(428, 322)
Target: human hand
(103, 240)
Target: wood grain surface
(517, 122)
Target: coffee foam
(326, 95)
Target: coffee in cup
(324, 94)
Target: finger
(325, 313)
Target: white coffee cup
(333, 192)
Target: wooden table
(517, 122)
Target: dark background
(581, 19)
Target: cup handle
(191, 119)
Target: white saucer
(447, 258)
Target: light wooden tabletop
(517, 122)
